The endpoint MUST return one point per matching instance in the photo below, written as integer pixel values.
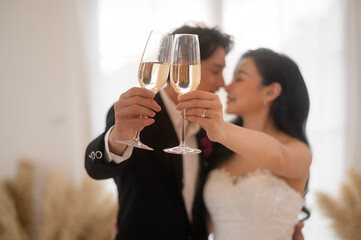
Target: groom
(160, 194)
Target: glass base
(135, 143)
(182, 150)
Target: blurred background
(63, 63)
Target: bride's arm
(291, 160)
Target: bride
(258, 192)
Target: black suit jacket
(150, 184)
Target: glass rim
(185, 34)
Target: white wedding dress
(259, 206)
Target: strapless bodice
(259, 206)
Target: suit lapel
(167, 129)
(202, 165)
(174, 161)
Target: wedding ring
(204, 113)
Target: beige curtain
(353, 84)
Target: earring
(265, 102)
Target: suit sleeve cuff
(113, 157)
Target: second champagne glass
(185, 76)
(153, 71)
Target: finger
(198, 120)
(301, 225)
(198, 94)
(197, 103)
(134, 111)
(197, 112)
(137, 91)
(137, 100)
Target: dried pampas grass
(9, 222)
(16, 210)
(23, 195)
(67, 212)
(71, 211)
(345, 210)
(54, 208)
(92, 199)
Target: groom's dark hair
(209, 38)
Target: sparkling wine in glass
(153, 71)
(185, 76)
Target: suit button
(205, 164)
(98, 154)
(92, 155)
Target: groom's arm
(97, 164)
(124, 120)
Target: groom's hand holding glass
(152, 73)
(136, 107)
(133, 103)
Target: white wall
(43, 91)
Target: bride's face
(246, 92)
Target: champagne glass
(153, 71)
(185, 75)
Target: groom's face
(212, 71)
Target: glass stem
(136, 136)
(182, 143)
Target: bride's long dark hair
(290, 110)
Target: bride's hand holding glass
(205, 109)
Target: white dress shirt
(190, 161)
